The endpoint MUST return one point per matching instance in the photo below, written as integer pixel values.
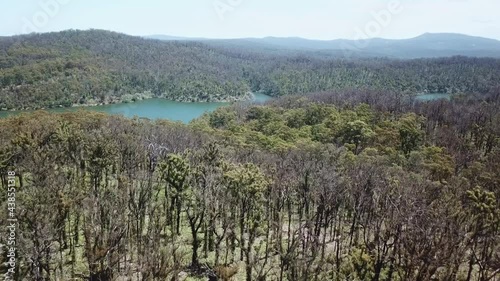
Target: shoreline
(248, 97)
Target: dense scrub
(358, 185)
(93, 67)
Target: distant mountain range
(424, 46)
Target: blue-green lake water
(153, 109)
(432, 96)
(176, 111)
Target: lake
(177, 111)
(153, 109)
(432, 96)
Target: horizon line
(182, 37)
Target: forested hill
(95, 66)
(100, 67)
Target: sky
(313, 19)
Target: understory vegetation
(344, 185)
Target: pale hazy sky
(315, 19)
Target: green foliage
(410, 133)
(358, 266)
(246, 181)
(316, 113)
(176, 171)
(484, 208)
(222, 118)
(356, 133)
(435, 160)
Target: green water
(153, 109)
(176, 111)
(433, 96)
